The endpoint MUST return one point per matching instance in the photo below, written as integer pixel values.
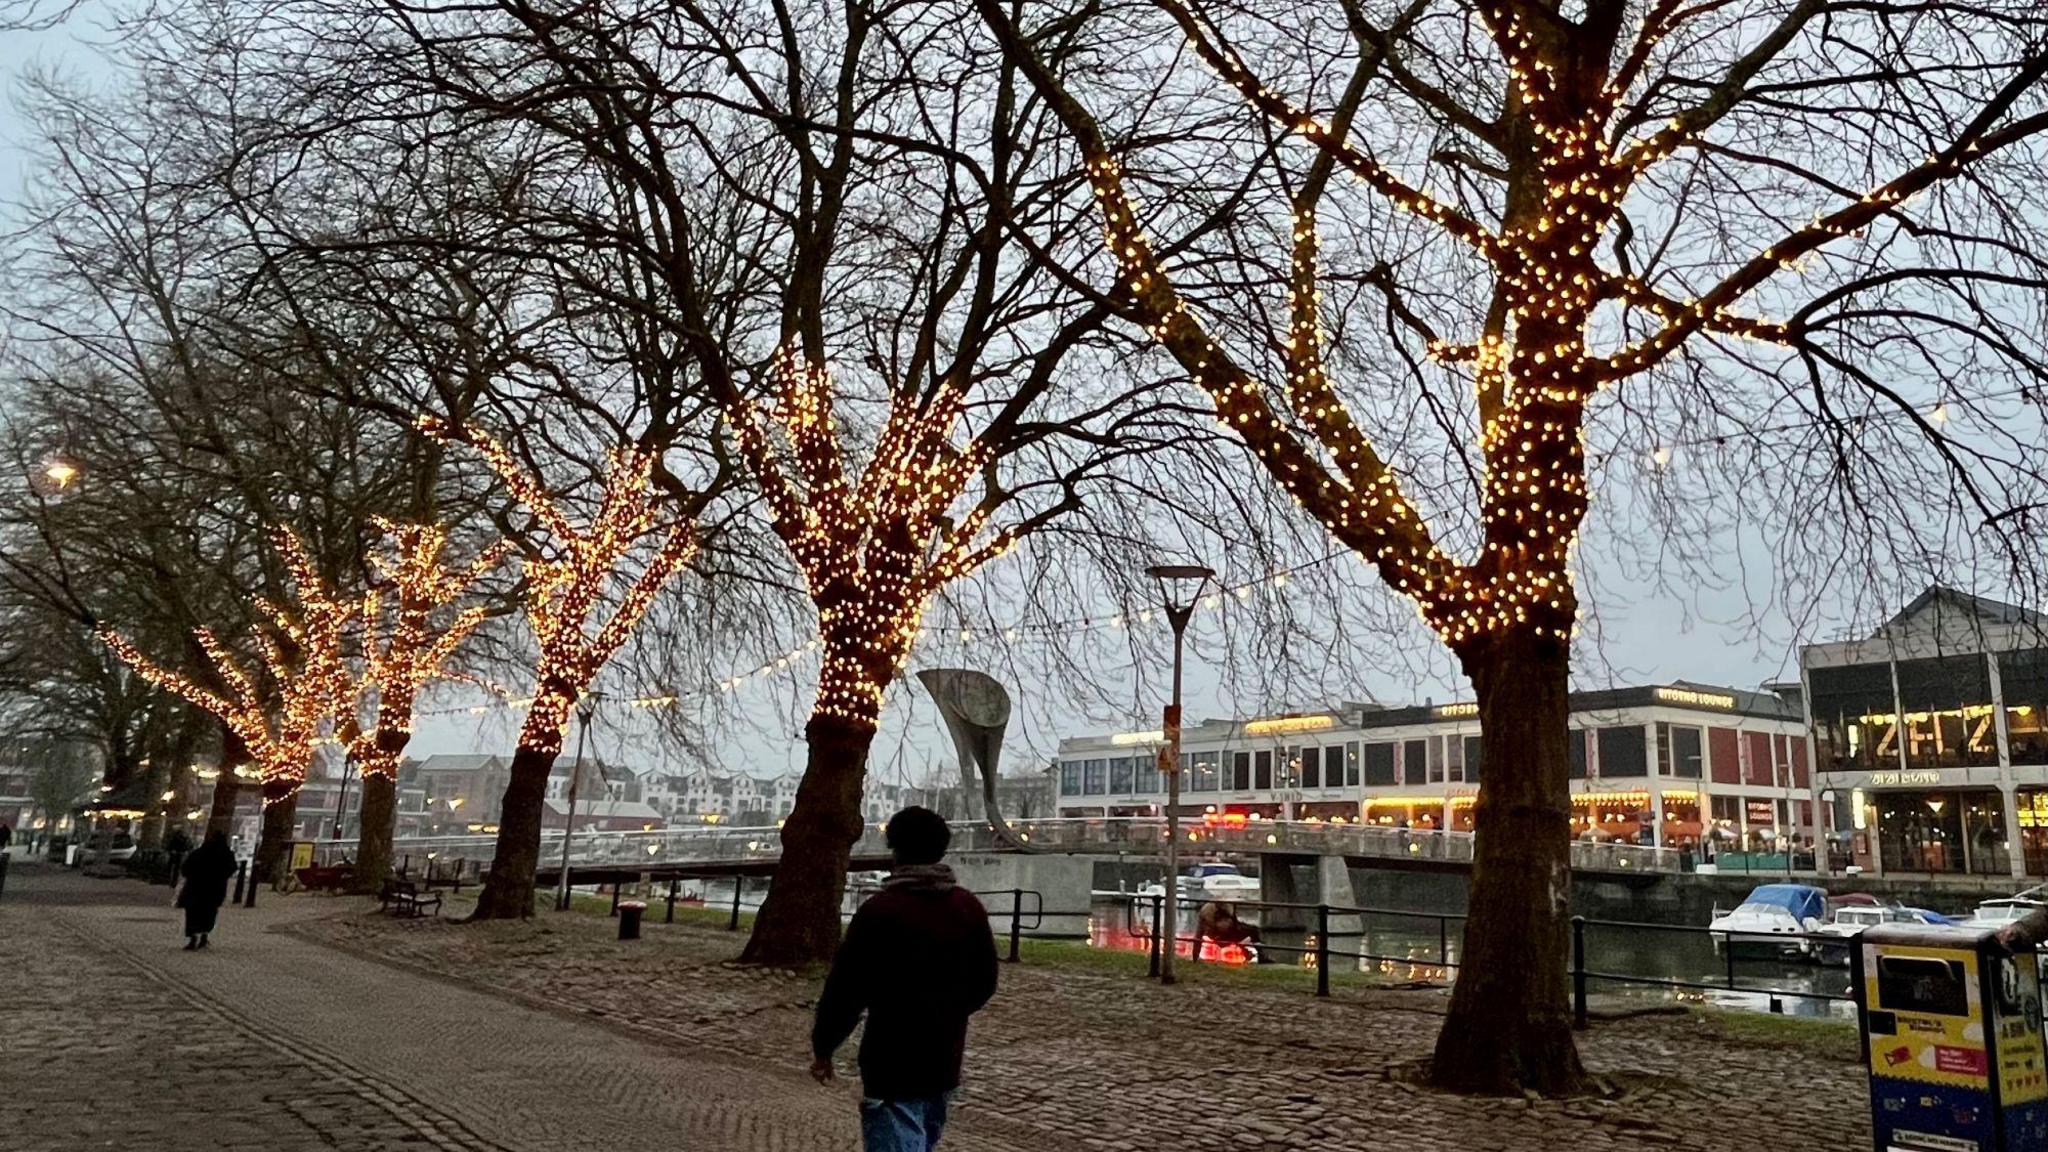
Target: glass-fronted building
(1929, 740)
(1674, 765)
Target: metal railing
(1106, 836)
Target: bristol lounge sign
(1904, 779)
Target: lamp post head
(1180, 584)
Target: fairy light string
(875, 548)
(301, 650)
(1533, 370)
(403, 648)
(568, 582)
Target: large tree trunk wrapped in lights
(1508, 1026)
(566, 589)
(873, 550)
(1556, 122)
(515, 861)
(400, 655)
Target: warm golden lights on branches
(578, 619)
(1532, 368)
(875, 547)
(303, 661)
(403, 646)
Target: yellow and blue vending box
(1951, 1027)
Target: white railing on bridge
(1109, 836)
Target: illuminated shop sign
(1281, 725)
(1695, 699)
(1904, 779)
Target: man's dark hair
(917, 836)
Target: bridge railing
(1092, 835)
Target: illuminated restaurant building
(1929, 741)
(1674, 765)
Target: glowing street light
(60, 472)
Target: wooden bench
(406, 897)
(325, 878)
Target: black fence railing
(1315, 935)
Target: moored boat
(1775, 921)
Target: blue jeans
(902, 1125)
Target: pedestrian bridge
(723, 851)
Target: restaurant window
(1311, 768)
(1262, 770)
(1415, 761)
(1663, 749)
(2023, 681)
(1436, 760)
(1686, 762)
(1379, 765)
(2033, 817)
(1575, 746)
(1147, 774)
(1853, 717)
(1205, 771)
(1070, 777)
(1946, 701)
(1472, 759)
(1240, 771)
(1351, 764)
(1094, 779)
(1454, 759)
(1120, 776)
(1623, 752)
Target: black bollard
(241, 877)
(673, 883)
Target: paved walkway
(115, 1037)
(314, 1025)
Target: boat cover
(1933, 917)
(1804, 901)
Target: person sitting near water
(1218, 921)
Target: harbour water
(1424, 949)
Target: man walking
(919, 959)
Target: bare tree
(1730, 212)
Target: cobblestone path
(114, 1037)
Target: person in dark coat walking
(918, 959)
(207, 872)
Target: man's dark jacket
(919, 959)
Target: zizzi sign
(1903, 779)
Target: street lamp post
(575, 774)
(1180, 585)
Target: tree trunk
(150, 836)
(1509, 1027)
(508, 890)
(799, 922)
(227, 787)
(373, 842)
(271, 849)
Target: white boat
(1211, 881)
(2006, 909)
(1774, 920)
